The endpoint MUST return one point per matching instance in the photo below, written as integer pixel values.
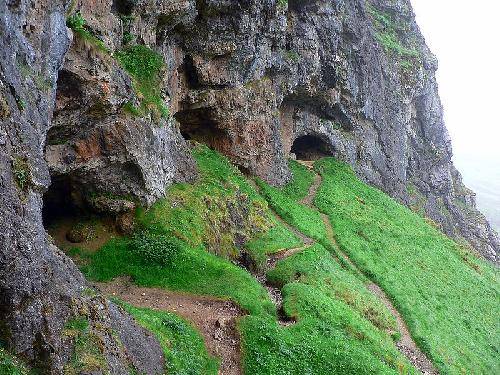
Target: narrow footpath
(406, 345)
(214, 318)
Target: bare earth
(214, 318)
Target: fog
(465, 37)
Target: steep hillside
(325, 310)
(103, 107)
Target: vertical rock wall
(40, 288)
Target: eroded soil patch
(214, 318)
(405, 344)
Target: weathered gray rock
(40, 288)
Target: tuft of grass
(183, 347)
(79, 26)
(144, 66)
(282, 3)
(155, 248)
(292, 55)
(449, 302)
(87, 355)
(131, 109)
(388, 31)
(21, 171)
(302, 180)
(10, 365)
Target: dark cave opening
(189, 70)
(198, 125)
(61, 201)
(310, 147)
(70, 221)
(125, 7)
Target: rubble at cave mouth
(310, 147)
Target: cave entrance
(70, 221)
(310, 147)
(61, 202)
(198, 125)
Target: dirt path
(313, 189)
(215, 319)
(406, 344)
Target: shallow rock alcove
(310, 147)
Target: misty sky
(465, 36)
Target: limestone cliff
(97, 115)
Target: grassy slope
(303, 178)
(189, 213)
(9, 365)
(333, 333)
(340, 326)
(192, 212)
(449, 299)
(304, 218)
(183, 346)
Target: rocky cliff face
(42, 293)
(97, 118)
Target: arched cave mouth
(310, 147)
(71, 222)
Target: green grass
(316, 267)
(196, 215)
(302, 180)
(203, 213)
(304, 218)
(78, 24)
(144, 66)
(183, 346)
(192, 270)
(448, 297)
(334, 332)
(21, 172)
(282, 3)
(10, 365)
(87, 353)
